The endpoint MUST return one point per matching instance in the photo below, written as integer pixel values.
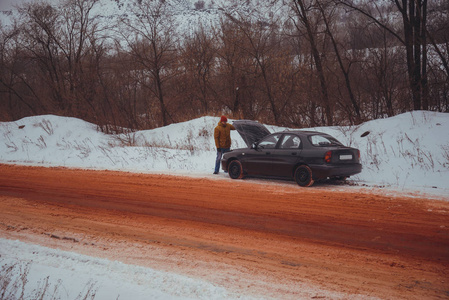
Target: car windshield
(269, 142)
(323, 141)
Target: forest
(309, 63)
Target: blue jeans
(220, 152)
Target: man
(222, 135)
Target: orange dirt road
(253, 237)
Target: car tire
(303, 176)
(235, 169)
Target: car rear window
(319, 140)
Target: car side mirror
(254, 146)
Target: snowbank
(406, 152)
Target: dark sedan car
(305, 156)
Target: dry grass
(15, 284)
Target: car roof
(303, 132)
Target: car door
(258, 161)
(286, 155)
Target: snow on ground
(186, 14)
(407, 153)
(73, 275)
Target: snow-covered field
(408, 153)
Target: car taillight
(358, 154)
(328, 156)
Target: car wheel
(235, 170)
(303, 176)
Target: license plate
(346, 157)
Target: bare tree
(270, 61)
(17, 97)
(58, 39)
(39, 38)
(230, 82)
(198, 58)
(330, 62)
(150, 38)
(326, 8)
(413, 37)
(304, 13)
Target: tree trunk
(302, 14)
(342, 67)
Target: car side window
(269, 142)
(290, 141)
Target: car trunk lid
(345, 155)
(250, 131)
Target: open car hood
(250, 131)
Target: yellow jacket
(222, 135)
